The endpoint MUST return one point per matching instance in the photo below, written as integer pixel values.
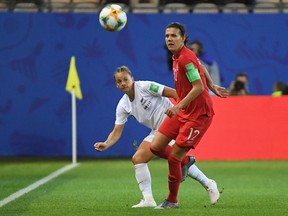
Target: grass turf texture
(108, 187)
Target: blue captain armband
(192, 73)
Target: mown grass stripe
(36, 184)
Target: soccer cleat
(213, 192)
(186, 167)
(145, 203)
(166, 204)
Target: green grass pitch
(108, 187)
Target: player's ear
(184, 38)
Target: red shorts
(187, 134)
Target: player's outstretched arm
(170, 93)
(113, 137)
(217, 90)
(220, 91)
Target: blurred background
(39, 37)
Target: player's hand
(100, 146)
(220, 91)
(170, 112)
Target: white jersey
(148, 106)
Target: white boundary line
(36, 184)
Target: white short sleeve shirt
(148, 106)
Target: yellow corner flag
(73, 80)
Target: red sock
(174, 177)
(185, 160)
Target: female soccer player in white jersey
(147, 102)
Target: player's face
(124, 81)
(174, 40)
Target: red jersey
(202, 105)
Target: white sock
(198, 175)
(143, 178)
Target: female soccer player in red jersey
(192, 115)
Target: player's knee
(138, 158)
(134, 159)
(142, 156)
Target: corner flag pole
(74, 127)
(73, 86)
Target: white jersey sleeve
(148, 106)
(152, 88)
(122, 111)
